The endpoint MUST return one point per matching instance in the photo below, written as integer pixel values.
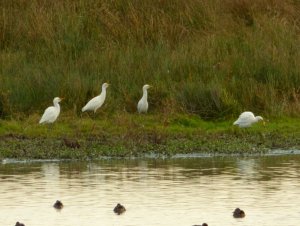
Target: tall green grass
(214, 58)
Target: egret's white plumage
(246, 119)
(142, 106)
(51, 113)
(97, 101)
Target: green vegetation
(139, 135)
(207, 60)
(213, 58)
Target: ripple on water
(160, 192)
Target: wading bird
(246, 119)
(97, 101)
(51, 113)
(142, 106)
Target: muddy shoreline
(18, 146)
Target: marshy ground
(207, 62)
(127, 135)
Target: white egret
(246, 119)
(97, 101)
(51, 113)
(142, 106)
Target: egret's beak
(62, 98)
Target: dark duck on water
(119, 209)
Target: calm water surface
(155, 192)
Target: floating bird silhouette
(142, 105)
(246, 119)
(58, 205)
(19, 224)
(119, 209)
(238, 213)
(51, 113)
(97, 101)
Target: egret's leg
(93, 127)
(50, 127)
(94, 123)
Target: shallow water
(181, 191)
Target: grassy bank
(135, 135)
(207, 60)
(213, 58)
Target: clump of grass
(210, 101)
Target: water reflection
(154, 192)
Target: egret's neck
(56, 105)
(145, 94)
(257, 118)
(103, 93)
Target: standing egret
(97, 101)
(246, 119)
(51, 113)
(142, 106)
